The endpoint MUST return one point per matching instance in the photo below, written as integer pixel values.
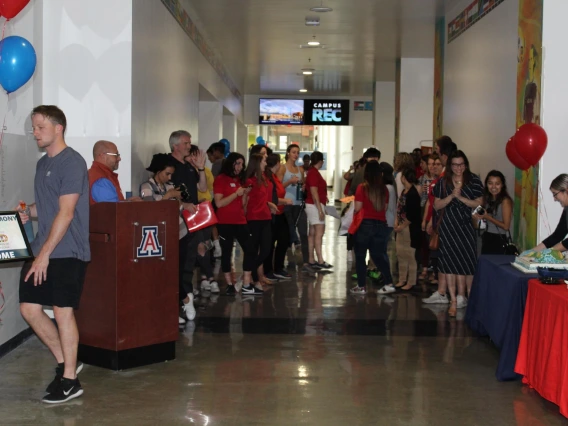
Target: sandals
(452, 312)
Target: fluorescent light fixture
(303, 90)
(313, 43)
(307, 71)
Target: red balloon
(514, 157)
(10, 8)
(531, 142)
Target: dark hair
(53, 114)
(228, 166)
(410, 176)
(491, 203)
(387, 172)
(193, 149)
(467, 175)
(446, 145)
(373, 185)
(216, 147)
(254, 170)
(290, 148)
(161, 162)
(372, 153)
(425, 158)
(316, 157)
(255, 149)
(271, 161)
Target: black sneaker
(315, 266)
(251, 290)
(230, 291)
(67, 389)
(59, 370)
(270, 277)
(283, 275)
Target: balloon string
(543, 212)
(2, 296)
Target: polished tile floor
(306, 352)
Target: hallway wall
(167, 69)
(480, 88)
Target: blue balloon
(227, 146)
(260, 140)
(17, 63)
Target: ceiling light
(321, 8)
(303, 90)
(313, 42)
(312, 21)
(307, 71)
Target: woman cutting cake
(557, 240)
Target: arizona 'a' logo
(150, 245)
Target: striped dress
(458, 242)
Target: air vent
(312, 21)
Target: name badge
(233, 185)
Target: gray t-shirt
(216, 167)
(64, 174)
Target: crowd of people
(436, 207)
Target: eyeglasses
(113, 154)
(555, 194)
(460, 165)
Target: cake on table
(528, 262)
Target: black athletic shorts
(63, 287)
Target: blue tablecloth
(496, 306)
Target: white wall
(210, 123)
(416, 101)
(167, 71)
(18, 158)
(384, 118)
(553, 111)
(480, 89)
(86, 69)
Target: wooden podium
(128, 315)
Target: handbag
(357, 219)
(202, 218)
(508, 246)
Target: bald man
(103, 180)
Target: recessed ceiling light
(321, 9)
(303, 90)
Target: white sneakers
(214, 286)
(437, 298)
(205, 285)
(387, 289)
(217, 252)
(461, 302)
(189, 309)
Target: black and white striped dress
(458, 243)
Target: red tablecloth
(542, 357)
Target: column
(383, 120)
(229, 130)
(210, 123)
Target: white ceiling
(258, 41)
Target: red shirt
(258, 198)
(431, 197)
(314, 179)
(280, 191)
(234, 212)
(369, 211)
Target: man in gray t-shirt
(61, 249)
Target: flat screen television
(281, 111)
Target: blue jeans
(372, 235)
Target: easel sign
(14, 245)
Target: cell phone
(479, 210)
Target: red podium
(128, 316)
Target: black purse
(508, 246)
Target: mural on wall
(476, 10)
(529, 66)
(397, 107)
(181, 16)
(439, 78)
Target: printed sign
(326, 112)
(14, 245)
(150, 245)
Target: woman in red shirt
(229, 194)
(258, 208)
(372, 197)
(274, 262)
(316, 199)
